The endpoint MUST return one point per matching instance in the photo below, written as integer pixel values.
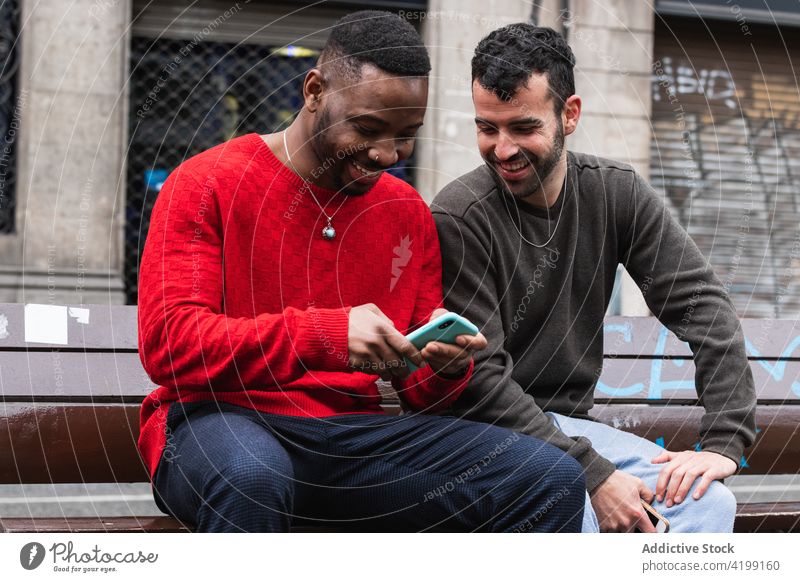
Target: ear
(571, 114)
(313, 87)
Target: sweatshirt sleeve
(493, 396)
(423, 390)
(185, 339)
(689, 299)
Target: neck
(548, 193)
(300, 156)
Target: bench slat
(77, 443)
(110, 326)
(664, 379)
(24, 376)
(783, 516)
(66, 374)
(774, 452)
(116, 326)
(645, 337)
(154, 524)
(750, 517)
(50, 443)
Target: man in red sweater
(279, 277)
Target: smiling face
(353, 123)
(522, 139)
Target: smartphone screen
(660, 522)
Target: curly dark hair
(505, 59)
(377, 37)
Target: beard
(542, 167)
(322, 147)
(325, 150)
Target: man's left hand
(448, 358)
(682, 468)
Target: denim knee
(716, 509)
(555, 490)
(564, 474)
(252, 492)
(258, 474)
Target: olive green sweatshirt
(538, 281)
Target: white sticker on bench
(79, 313)
(3, 326)
(46, 324)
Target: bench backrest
(71, 410)
(647, 387)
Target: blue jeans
(713, 512)
(227, 468)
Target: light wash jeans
(713, 512)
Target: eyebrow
(522, 121)
(372, 118)
(528, 121)
(381, 122)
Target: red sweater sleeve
(185, 339)
(423, 390)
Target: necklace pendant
(328, 233)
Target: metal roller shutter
(257, 21)
(200, 74)
(204, 72)
(726, 153)
(266, 23)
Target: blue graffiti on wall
(657, 386)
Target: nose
(384, 153)
(505, 148)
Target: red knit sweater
(242, 301)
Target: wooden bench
(71, 412)
(647, 388)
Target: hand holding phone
(444, 329)
(375, 346)
(660, 522)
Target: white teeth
(362, 170)
(514, 167)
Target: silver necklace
(555, 229)
(328, 232)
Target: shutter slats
(726, 155)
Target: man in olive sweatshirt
(531, 242)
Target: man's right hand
(617, 501)
(376, 347)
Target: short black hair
(505, 59)
(379, 38)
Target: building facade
(103, 98)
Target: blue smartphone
(445, 329)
